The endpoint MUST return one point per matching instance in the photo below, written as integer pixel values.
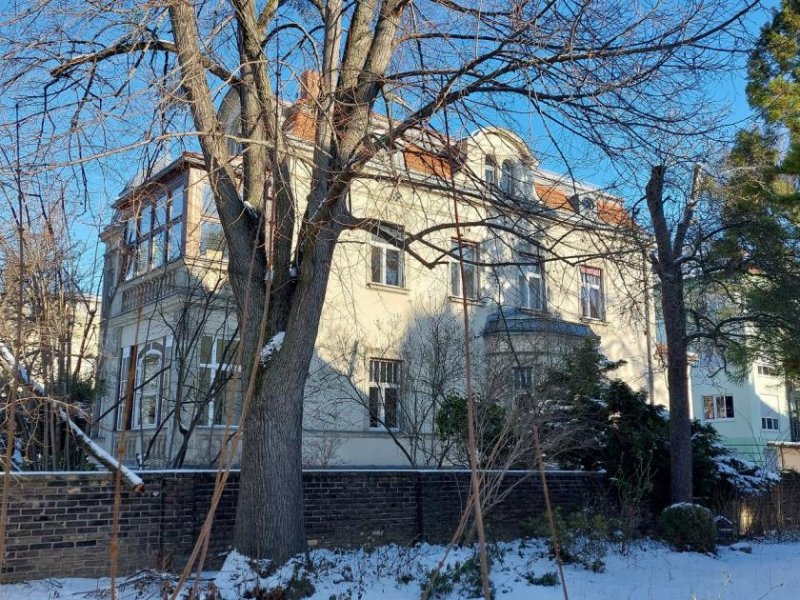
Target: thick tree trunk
(269, 518)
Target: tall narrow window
(386, 263)
(507, 177)
(592, 301)
(218, 380)
(469, 254)
(147, 397)
(384, 393)
(125, 388)
(523, 381)
(531, 286)
(490, 170)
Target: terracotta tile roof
(552, 197)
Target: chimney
(309, 85)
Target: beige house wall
(363, 320)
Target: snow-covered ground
(648, 571)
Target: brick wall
(60, 524)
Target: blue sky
(107, 179)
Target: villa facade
(391, 335)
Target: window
(154, 233)
(592, 301)
(507, 177)
(469, 253)
(384, 393)
(212, 236)
(523, 381)
(147, 400)
(386, 263)
(768, 371)
(717, 407)
(125, 389)
(490, 170)
(531, 286)
(770, 423)
(218, 383)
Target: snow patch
(648, 571)
(273, 346)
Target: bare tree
(43, 296)
(601, 72)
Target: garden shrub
(465, 578)
(688, 527)
(582, 537)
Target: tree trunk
(269, 517)
(669, 268)
(680, 427)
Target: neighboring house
(390, 336)
(751, 415)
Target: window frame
(534, 268)
(148, 350)
(216, 371)
(490, 170)
(715, 412)
(770, 420)
(210, 218)
(139, 245)
(381, 387)
(768, 371)
(383, 248)
(456, 286)
(522, 381)
(586, 289)
(125, 388)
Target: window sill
(720, 420)
(384, 287)
(213, 427)
(596, 321)
(470, 301)
(384, 430)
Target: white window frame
(768, 371)
(770, 423)
(471, 254)
(534, 270)
(142, 389)
(384, 248)
(490, 170)
(210, 217)
(716, 413)
(587, 287)
(384, 374)
(216, 370)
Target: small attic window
(584, 205)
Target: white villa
(391, 327)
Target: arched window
(147, 397)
